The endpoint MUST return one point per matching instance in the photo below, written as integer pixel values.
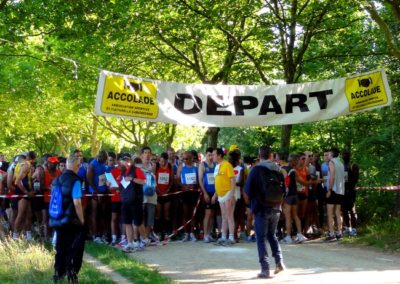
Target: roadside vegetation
(23, 262)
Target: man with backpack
(66, 217)
(265, 190)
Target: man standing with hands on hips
(265, 189)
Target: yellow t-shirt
(223, 178)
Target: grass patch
(130, 268)
(382, 235)
(22, 262)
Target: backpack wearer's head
(264, 153)
(73, 164)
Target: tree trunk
(212, 136)
(95, 144)
(285, 138)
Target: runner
(97, 185)
(23, 186)
(207, 185)
(189, 182)
(291, 201)
(225, 185)
(123, 163)
(349, 199)
(149, 199)
(50, 173)
(334, 196)
(131, 188)
(164, 178)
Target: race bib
(210, 178)
(36, 186)
(163, 178)
(190, 178)
(300, 187)
(102, 180)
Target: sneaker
(122, 243)
(220, 242)
(253, 238)
(300, 238)
(206, 239)
(263, 274)
(353, 232)
(186, 237)
(287, 240)
(192, 238)
(228, 242)
(144, 243)
(243, 236)
(330, 238)
(154, 238)
(104, 240)
(129, 248)
(279, 268)
(339, 237)
(98, 240)
(114, 243)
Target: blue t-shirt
(189, 175)
(99, 171)
(208, 178)
(76, 190)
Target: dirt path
(312, 262)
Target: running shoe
(228, 242)
(339, 237)
(330, 238)
(98, 240)
(128, 248)
(287, 240)
(122, 243)
(300, 238)
(353, 232)
(154, 238)
(186, 237)
(192, 238)
(220, 242)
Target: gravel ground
(311, 262)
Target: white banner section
(131, 97)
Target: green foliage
(375, 206)
(128, 267)
(23, 262)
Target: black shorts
(132, 213)
(116, 207)
(292, 200)
(164, 199)
(210, 205)
(189, 198)
(334, 198)
(37, 204)
(301, 196)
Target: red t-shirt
(48, 180)
(138, 173)
(116, 172)
(163, 178)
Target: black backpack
(133, 192)
(273, 187)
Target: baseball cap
(52, 160)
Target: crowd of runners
(178, 198)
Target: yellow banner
(129, 97)
(365, 91)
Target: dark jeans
(69, 249)
(266, 222)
